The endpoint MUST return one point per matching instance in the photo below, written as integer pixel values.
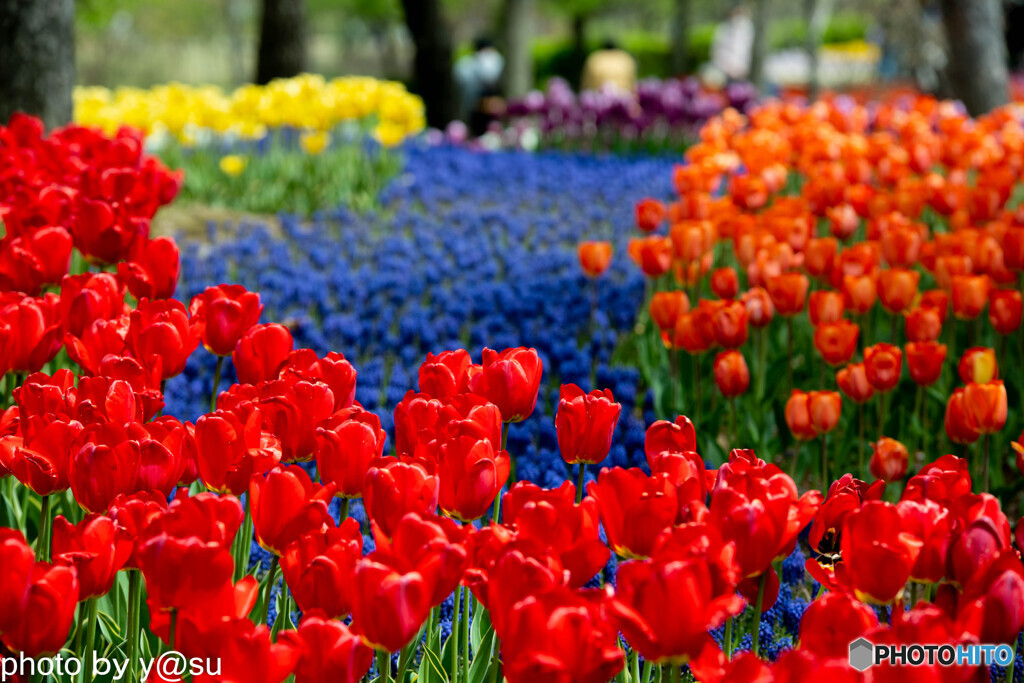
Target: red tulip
(825, 306)
(760, 309)
(292, 410)
(635, 508)
(389, 606)
(328, 652)
(134, 513)
(41, 460)
(650, 213)
(333, 370)
(729, 320)
(985, 405)
(788, 293)
(99, 340)
(836, 342)
(832, 622)
(89, 297)
(853, 380)
(222, 314)
(446, 374)
(30, 261)
(347, 444)
(992, 604)
(652, 254)
(1005, 310)
(669, 437)
(897, 288)
(433, 546)
(725, 283)
(560, 635)
(105, 466)
(585, 424)
(819, 255)
(261, 352)
(970, 294)
(933, 524)
(553, 520)
(97, 549)
(925, 361)
(43, 604)
(161, 336)
(798, 415)
(16, 563)
(883, 363)
(393, 488)
(595, 257)
(319, 568)
(697, 577)
(472, 473)
(923, 323)
(860, 292)
(978, 365)
(844, 495)
(30, 332)
(239, 649)
(510, 380)
(960, 428)
(731, 373)
(229, 452)
(872, 539)
(285, 505)
(889, 461)
(151, 271)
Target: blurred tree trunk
(681, 19)
(37, 60)
(282, 52)
(518, 21)
(432, 66)
(760, 48)
(977, 60)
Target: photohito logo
(864, 654)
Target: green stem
(134, 598)
(403, 661)
(465, 633)
(344, 510)
(860, 440)
(216, 383)
(789, 355)
(383, 666)
(727, 640)
(733, 430)
(756, 624)
(90, 639)
(675, 670)
(579, 482)
(648, 667)
(172, 637)
(761, 361)
(824, 462)
(43, 549)
(266, 591)
(634, 666)
(1013, 661)
(454, 637)
(984, 461)
(504, 447)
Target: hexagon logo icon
(861, 654)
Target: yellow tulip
(233, 164)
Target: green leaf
(431, 669)
(479, 669)
(481, 625)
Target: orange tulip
(666, 308)
(689, 336)
(853, 381)
(825, 409)
(730, 323)
(798, 415)
(1005, 310)
(959, 426)
(897, 288)
(985, 405)
(653, 254)
(923, 323)
(649, 214)
(1013, 248)
(842, 220)
(819, 257)
(924, 361)
(788, 292)
(760, 309)
(938, 300)
(883, 363)
(836, 342)
(978, 365)
(901, 246)
(825, 306)
(731, 373)
(690, 240)
(970, 294)
(595, 257)
(860, 292)
(889, 461)
(725, 283)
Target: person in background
(478, 79)
(609, 67)
(733, 44)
